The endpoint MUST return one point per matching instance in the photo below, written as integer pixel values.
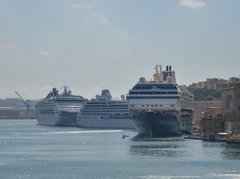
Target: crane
(25, 102)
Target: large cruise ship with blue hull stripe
(161, 108)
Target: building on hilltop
(234, 80)
(198, 85)
(210, 83)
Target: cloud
(44, 52)
(101, 19)
(8, 46)
(79, 6)
(76, 6)
(193, 4)
(92, 15)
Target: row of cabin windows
(153, 92)
(45, 112)
(104, 109)
(106, 113)
(106, 106)
(110, 111)
(152, 105)
(154, 86)
(116, 115)
(153, 97)
(104, 102)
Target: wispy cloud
(91, 15)
(193, 4)
(101, 19)
(75, 6)
(79, 6)
(44, 52)
(8, 46)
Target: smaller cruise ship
(59, 109)
(105, 112)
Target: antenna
(158, 74)
(65, 87)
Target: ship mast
(65, 92)
(158, 73)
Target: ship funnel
(106, 94)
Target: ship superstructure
(186, 102)
(155, 106)
(59, 109)
(105, 112)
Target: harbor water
(29, 150)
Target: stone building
(212, 123)
(231, 107)
(201, 106)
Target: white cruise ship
(161, 108)
(105, 112)
(59, 109)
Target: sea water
(29, 150)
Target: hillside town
(217, 109)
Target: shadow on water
(227, 151)
(231, 151)
(140, 138)
(157, 147)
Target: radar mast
(158, 73)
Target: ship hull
(62, 118)
(95, 122)
(157, 124)
(186, 120)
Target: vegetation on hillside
(205, 94)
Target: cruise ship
(161, 108)
(59, 109)
(105, 112)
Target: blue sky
(90, 45)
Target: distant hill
(16, 103)
(204, 94)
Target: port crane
(25, 102)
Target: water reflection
(157, 147)
(231, 151)
(206, 144)
(222, 150)
(179, 147)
